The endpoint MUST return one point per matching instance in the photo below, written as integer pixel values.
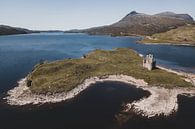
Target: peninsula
(63, 76)
(57, 81)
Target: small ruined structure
(149, 62)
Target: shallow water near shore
(98, 105)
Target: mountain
(8, 30)
(142, 24)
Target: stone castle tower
(149, 62)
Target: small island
(52, 82)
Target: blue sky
(78, 14)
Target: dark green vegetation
(7, 30)
(62, 76)
(142, 24)
(184, 34)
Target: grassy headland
(180, 35)
(63, 76)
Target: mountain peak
(132, 13)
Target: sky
(81, 14)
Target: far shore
(167, 43)
(153, 42)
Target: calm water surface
(98, 105)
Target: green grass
(184, 34)
(62, 76)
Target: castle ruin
(149, 62)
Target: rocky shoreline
(161, 100)
(189, 77)
(169, 43)
(21, 95)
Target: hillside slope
(181, 35)
(7, 30)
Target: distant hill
(181, 35)
(7, 30)
(142, 24)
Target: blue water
(19, 53)
(98, 106)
